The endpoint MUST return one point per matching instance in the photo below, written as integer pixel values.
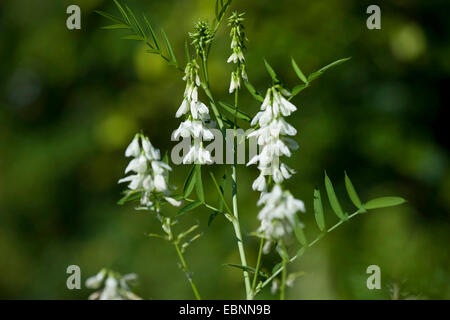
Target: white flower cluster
(115, 286)
(237, 45)
(278, 214)
(271, 137)
(149, 172)
(195, 125)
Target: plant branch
(186, 270)
(303, 249)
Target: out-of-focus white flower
(272, 136)
(95, 282)
(277, 215)
(149, 172)
(116, 287)
(197, 121)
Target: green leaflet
(173, 59)
(136, 37)
(319, 72)
(318, 210)
(189, 183)
(248, 269)
(297, 89)
(189, 207)
(271, 72)
(251, 89)
(333, 199)
(110, 17)
(124, 15)
(152, 32)
(117, 26)
(136, 23)
(298, 71)
(129, 196)
(384, 202)
(199, 183)
(352, 192)
(234, 111)
(220, 192)
(220, 198)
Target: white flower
(197, 124)
(197, 154)
(111, 291)
(150, 173)
(235, 82)
(272, 137)
(277, 216)
(133, 149)
(174, 202)
(260, 183)
(115, 287)
(95, 282)
(236, 56)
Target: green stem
(235, 222)
(303, 249)
(186, 271)
(236, 225)
(258, 263)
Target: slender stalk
(258, 263)
(303, 249)
(283, 281)
(236, 225)
(186, 271)
(235, 222)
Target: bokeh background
(70, 102)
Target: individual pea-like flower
(277, 215)
(237, 35)
(272, 135)
(115, 286)
(197, 123)
(149, 173)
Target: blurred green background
(70, 102)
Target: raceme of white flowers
(278, 213)
(197, 118)
(272, 138)
(237, 45)
(149, 173)
(116, 287)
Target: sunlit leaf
(384, 202)
(271, 72)
(319, 72)
(332, 198)
(352, 192)
(298, 71)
